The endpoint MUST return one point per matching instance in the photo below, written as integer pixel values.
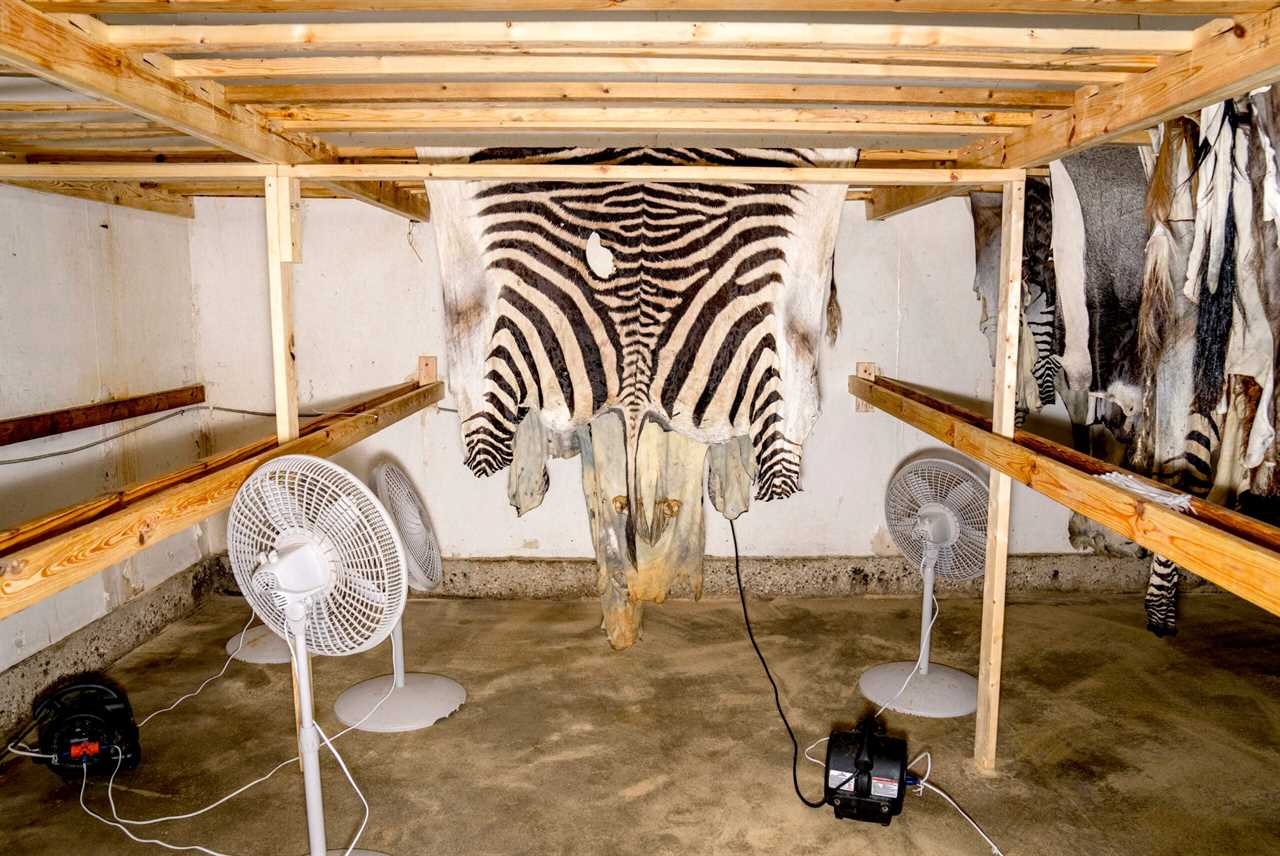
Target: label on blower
(881, 787)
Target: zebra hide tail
(1213, 323)
(1153, 319)
(834, 314)
(1161, 602)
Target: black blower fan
(85, 724)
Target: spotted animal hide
(642, 317)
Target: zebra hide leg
(731, 469)
(670, 534)
(527, 480)
(1161, 601)
(604, 484)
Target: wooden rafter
(1064, 7)
(67, 56)
(653, 92)
(776, 120)
(1227, 64)
(635, 35)
(608, 66)
(22, 428)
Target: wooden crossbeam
(70, 57)
(1229, 63)
(49, 566)
(1238, 553)
(22, 428)
(772, 120)
(392, 172)
(603, 32)
(410, 93)
(1064, 7)
(68, 107)
(124, 194)
(416, 65)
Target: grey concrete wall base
(98, 645)
(807, 576)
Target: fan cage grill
(405, 505)
(937, 480)
(296, 498)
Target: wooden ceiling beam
(58, 107)
(126, 194)
(625, 91)
(68, 56)
(575, 119)
(1228, 64)
(520, 66)
(1051, 7)
(629, 34)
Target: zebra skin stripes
(685, 327)
(1194, 473)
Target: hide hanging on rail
(651, 327)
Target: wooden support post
(282, 197)
(1003, 405)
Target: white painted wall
(366, 305)
(100, 300)
(95, 302)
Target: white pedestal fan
(936, 511)
(414, 700)
(320, 561)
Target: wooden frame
(152, 511)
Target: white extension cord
(123, 824)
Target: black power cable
(777, 697)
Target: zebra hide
(648, 320)
(1039, 348)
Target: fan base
(421, 702)
(942, 693)
(261, 646)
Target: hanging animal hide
(1039, 342)
(651, 320)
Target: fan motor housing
(866, 773)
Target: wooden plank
(120, 193)
(391, 172)
(1238, 554)
(80, 513)
(564, 35)
(282, 200)
(1220, 66)
(415, 65)
(1064, 7)
(69, 107)
(69, 56)
(991, 647)
(22, 428)
(625, 91)
(782, 120)
(40, 570)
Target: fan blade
(919, 488)
(368, 590)
(279, 504)
(960, 496)
(340, 517)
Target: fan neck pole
(308, 738)
(926, 614)
(397, 654)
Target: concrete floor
(1112, 742)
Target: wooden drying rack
(1236, 552)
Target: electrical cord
(207, 680)
(777, 697)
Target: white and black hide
(648, 325)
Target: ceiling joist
(1228, 64)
